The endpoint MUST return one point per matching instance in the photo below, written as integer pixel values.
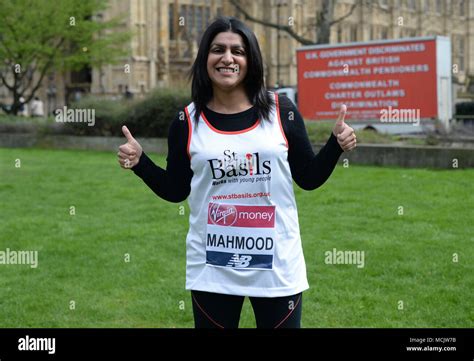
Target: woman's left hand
(345, 134)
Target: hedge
(152, 116)
(149, 117)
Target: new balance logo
(239, 261)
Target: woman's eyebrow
(233, 46)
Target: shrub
(109, 116)
(152, 116)
(149, 117)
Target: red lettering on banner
(368, 78)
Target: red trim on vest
(279, 120)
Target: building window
(439, 6)
(183, 15)
(171, 21)
(353, 33)
(462, 7)
(199, 20)
(460, 47)
(207, 15)
(427, 6)
(196, 19)
(190, 19)
(411, 4)
(384, 33)
(448, 5)
(339, 34)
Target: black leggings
(214, 310)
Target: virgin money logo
(222, 214)
(237, 215)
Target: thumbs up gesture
(345, 134)
(129, 153)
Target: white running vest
(244, 236)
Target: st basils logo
(232, 164)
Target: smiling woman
(236, 155)
(227, 62)
(234, 80)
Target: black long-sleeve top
(309, 170)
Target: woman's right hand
(129, 153)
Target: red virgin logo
(222, 214)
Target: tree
(39, 36)
(324, 21)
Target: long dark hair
(254, 85)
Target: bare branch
(28, 75)
(4, 81)
(285, 28)
(323, 24)
(38, 83)
(349, 13)
(45, 69)
(377, 4)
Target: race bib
(240, 236)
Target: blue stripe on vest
(239, 260)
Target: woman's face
(227, 61)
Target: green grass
(408, 257)
(319, 132)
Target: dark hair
(201, 89)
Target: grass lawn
(318, 132)
(83, 257)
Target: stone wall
(370, 154)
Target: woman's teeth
(226, 70)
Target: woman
(235, 156)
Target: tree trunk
(16, 96)
(324, 22)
